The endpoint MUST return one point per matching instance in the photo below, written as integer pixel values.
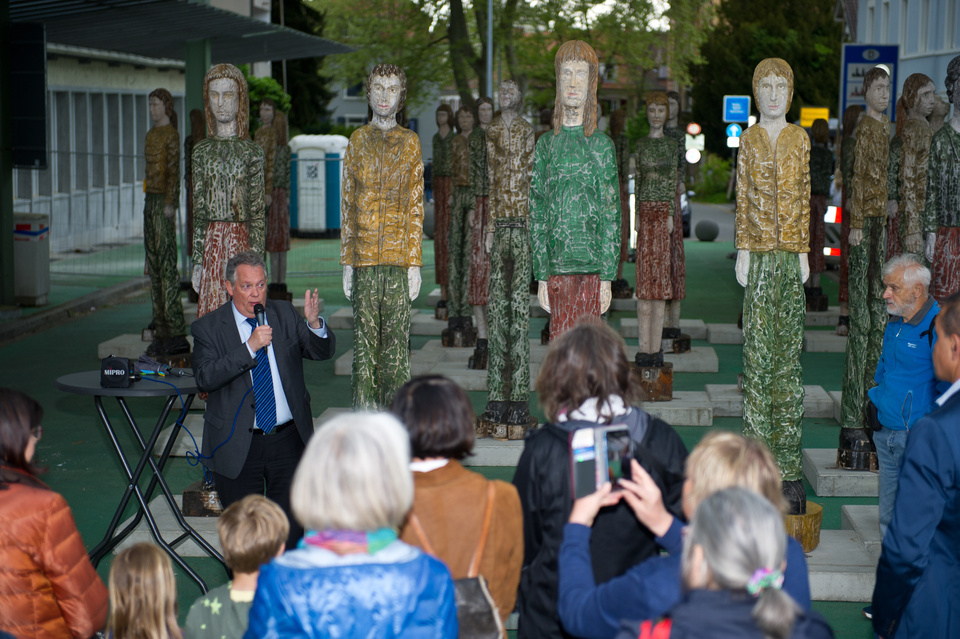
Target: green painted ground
(84, 469)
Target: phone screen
(619, 448)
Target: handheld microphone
(261, 314)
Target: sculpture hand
(743, 266)
(414, 281)
(931, 244)
(606, 296)
(913, 243)
(195, 277)
(804, 267)
(892, 209)
(311, 308)
(543, 296)
(856, 236)
(471, 214)
(267, 199)
(670, 225)
(488, 242)
(347, 280)
(169, 210)
(450, 201)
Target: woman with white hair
(733, 562)
(350, 575)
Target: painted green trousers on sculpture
(508, 369)
(773, 312)
(160, 246)
(458, 304)
(868, 320)
(381, 339)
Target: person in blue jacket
(906, 386)
(917, 592)
(650, 589)
(351, 577)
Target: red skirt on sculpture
(572, 297)
(278, 222)
(678, 264)
(894, 248)
(441, 227)
(223, 240)
(654, 252)
(818, 208)
(946, 263)
(478, 290)
(844, 292)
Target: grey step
(170, 529)
(699, 359)
(824, 342)
(695, 328)
(820, 469)
(727, 401)
(865, 522)
(836, 396)
(688, 408)
(194, 424)
(823, 318)
(724, 334)
(840, 568)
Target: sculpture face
(509, 96)
(442, 118)
(656, 115)
(574, 80)
(157, 109)
(926, 98)
(674, 108)
(465, 120)
(385, 95)
(266, 113)
(878, 95)
(224, 100)
(773, 93)
(485, 113)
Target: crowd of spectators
(392, 518)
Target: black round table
(179, 385)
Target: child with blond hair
(143, 595)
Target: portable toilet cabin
(315, 182)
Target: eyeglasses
(37, 432)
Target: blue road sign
(734, 131)
(857, 59)
(736, 108)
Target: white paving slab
(695, 328)
(728, 401)
(823, 318)
(836, 396)
(426, 324)
(724, 334)
(824, 342)
(170, 529)
(865, 522)
(127, 345)
(687, 408)
(840, 568)
(194, 424)
(699, 359)
(820, 469)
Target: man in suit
(917, 593)
(258, 417)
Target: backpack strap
(484, 533)
(929, 332)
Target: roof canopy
(161, 29)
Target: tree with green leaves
(802, 32)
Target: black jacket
(722, 614)
(618, 541)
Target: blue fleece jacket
(647, 591)
(906, 387)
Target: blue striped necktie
(263, 389)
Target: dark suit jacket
(918, 577)
(222, 363)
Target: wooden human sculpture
(678, 264)
(772, 238)
(939, 114)
(382, 224)
(942, 211)
(894, 240)
(656, 189)
(278, 215)
(479, 289)
(918, 100)
(848, 153)
(574, 199)
(618, 131)
(442, 201)
(266, 139)
(868, 311)
(228, 186)
(161, 185)
(510, 144)
(198, 131)
(821, 170)
(460, 330)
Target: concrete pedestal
(820, 469)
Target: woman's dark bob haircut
(587, 361)
(438, 415)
